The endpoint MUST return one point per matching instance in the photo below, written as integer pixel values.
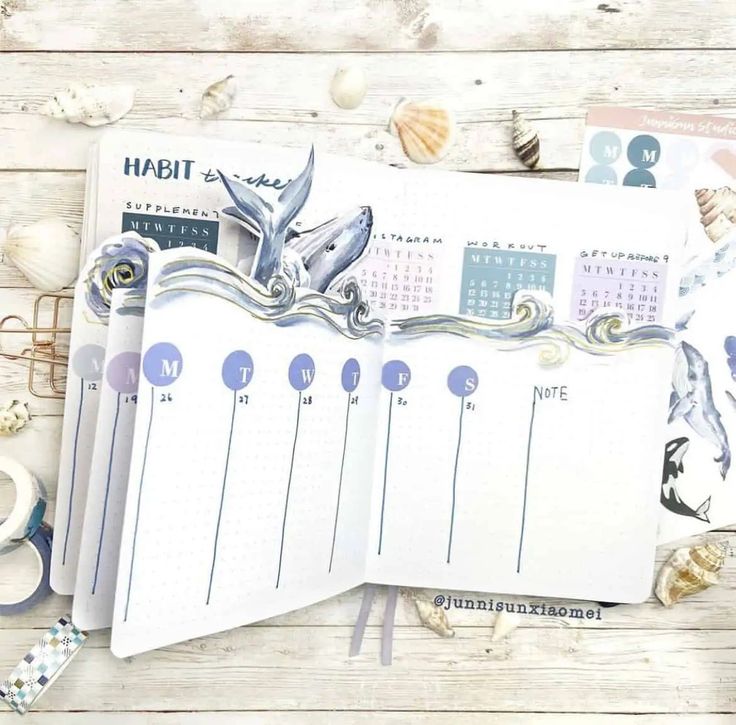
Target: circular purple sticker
(237, 370)
(462, 381)
(396, 375)
(301, 372)
(350, 375)
(162, 364)
(122, 372)
(88, 362)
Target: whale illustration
(314, 258)
(670, 498)
(692, 399)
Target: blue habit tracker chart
(297, 446)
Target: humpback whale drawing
(692, 399)
(315, 258)
(674, 452)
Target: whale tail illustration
(702, 511)
(269, 222)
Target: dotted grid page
(507, 466)
(94, 591)
(84, 375)
(250, 473)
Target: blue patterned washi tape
(40, 541)
(42, 665)
(29, 508)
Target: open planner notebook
(381, 375)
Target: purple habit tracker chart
(310, 445)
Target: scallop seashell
(218, 97)
(433, 617)
(90, 105)
(525, 140)
(348, 87)
(717, 211)
(46, 252)
(425, 129)
(689, 571)
(505, 623)
(13, 417)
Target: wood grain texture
(284, 99)
(289, 668)
(377, 25)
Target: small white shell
(218, 97)
(13, 417)
(90, 105)
(505, 623)
(433, 617)
(425, 129)
(46, 252)
(525, 140)
(348, 87)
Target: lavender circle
(123, 371)
(162, 364)
(237, 370)
(350, 375)
(395, 375)
(301, 372)
(88, 362)
(729, 345)
(462, 381)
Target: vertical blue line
(138, 507)
(107, 493)
(74, 471)
(454, 477)
(526, 482)
(339, 485)
(288, 485)
(222, 495)
(385, 470)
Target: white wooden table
(640, 664)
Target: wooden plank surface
(637, 665)
(289, 668)
(284, 98)
(377, 25)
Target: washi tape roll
(42, 665)
(30, 505)
(40, 542)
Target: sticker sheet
(697, 156)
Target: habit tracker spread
(427, 379)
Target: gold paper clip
(46, 349)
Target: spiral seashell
(218, 97)
(689, 571)
(525, 140)
(425, 129)
(433, 617)
(717, 211)
(90, 105)
(46, 252)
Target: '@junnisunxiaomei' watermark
(540, 609)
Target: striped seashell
(425, 129)
(689, 571)
(525, 140)
(218, 97)
(717, 211)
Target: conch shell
(689, 571)
(47, 252)
(525, 140)
(433, 617)
(218, 97)
(717, 211)
(13, 417)
(425, 129)
(348, 87)
(90, 105)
